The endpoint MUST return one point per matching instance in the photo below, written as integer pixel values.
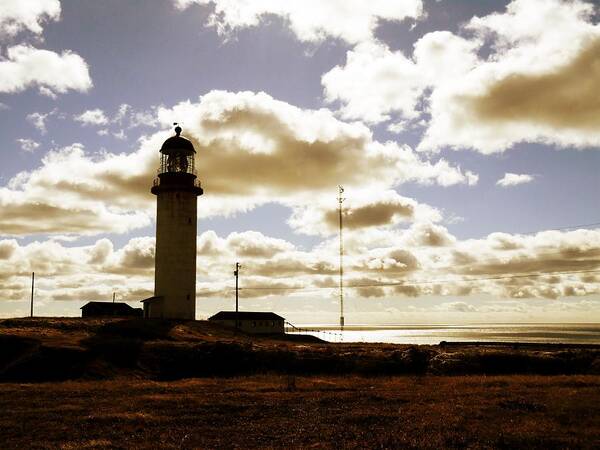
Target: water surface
(434, 334)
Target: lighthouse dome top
(177, 144)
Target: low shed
(104, 309)
(251, 321)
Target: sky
(465, 134)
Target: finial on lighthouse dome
(177, 129)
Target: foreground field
(300, 412)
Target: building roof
(152, 299)
(245, 315)
(109, 307)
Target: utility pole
(236, 272)
(113, 297)
(340, 201)
(32, 284)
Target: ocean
(434, 334)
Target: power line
(572, 227)
(479, 262)
(417, 282)
(420, 282)
(498, 277)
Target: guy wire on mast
(340, 201)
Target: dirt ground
(279, 411)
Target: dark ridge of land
(516, 345)
(277, 411)
(56, 349)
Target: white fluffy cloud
(361, 210)
(376, 84)
(26, 67)
(353, 21)
(513, 179)
(73, 193)
(38, 120)
(23, 66)
(422, 261)
(92, 117)
(252, 150)
(535, 84)
(17, 15)
(28, 145)
(373, 83)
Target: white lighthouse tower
(176, 188)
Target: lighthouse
(176, 188)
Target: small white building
(251, 321)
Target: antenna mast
(32, 285)
(236, 273)
(340, 201)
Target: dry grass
(303, 412)
(58, 349)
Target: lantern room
(177, 155)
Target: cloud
(313, 21)
(101, 251)
(390, 265)
(38, 120)
(22, 217)
(373, 83)
(92, 117)
(545, 252)
(120, 135)
(524, 75)
(558, 99)
(26, 66)
(429, 235)
(251, 244)
(542, 64)
(361, 210)
(251, 143)
(138, 254)
(458, 307)
(252, 150)
(127, 116)
(377, 84)
(513, 179)
(67, 195)
(18, 15)
(7, 248)
(28, 145)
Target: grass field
(305, 412)
(60, 349)
(122, 383)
